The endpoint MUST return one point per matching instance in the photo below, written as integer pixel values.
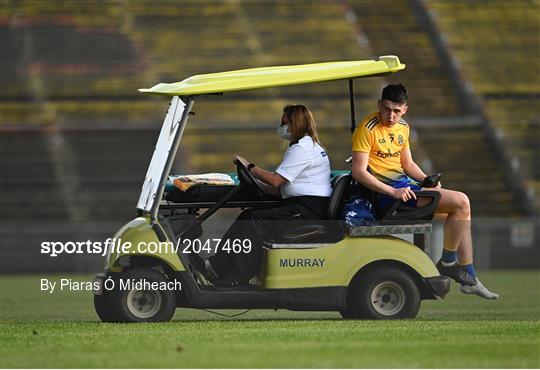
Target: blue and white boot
(479, 289)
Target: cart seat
(397, 215)
(330, 230)
(397, 212)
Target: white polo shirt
(307, 169)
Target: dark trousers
(263, 227)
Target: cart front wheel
(103, 307)
(140, 303)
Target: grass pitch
(61, 330)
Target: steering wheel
(248, 181)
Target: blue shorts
(387, 201)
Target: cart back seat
(396, 219)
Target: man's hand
(404, 194)
(432, 181)
(241, 160)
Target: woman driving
(303, 181)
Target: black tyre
(103, 308)
(143, 305)
(383, 293)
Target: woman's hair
(302, 122)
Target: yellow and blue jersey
(384, 145)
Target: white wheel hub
(143, 304)
(387, 298)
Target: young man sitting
(382, 161)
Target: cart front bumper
(98, 282)
(439, 285)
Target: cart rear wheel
(143, 305)
(383, 293)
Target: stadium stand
(107, 181)
(68, 56)
(263, 33)
(433, 95)
(496, 45)
(468, 165)
(28, 171)
(392, 28)
(70, 70)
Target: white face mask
(283, 132)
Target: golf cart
(363, 272)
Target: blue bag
(359, 212)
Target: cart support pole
(351, 99)
(170, 160)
